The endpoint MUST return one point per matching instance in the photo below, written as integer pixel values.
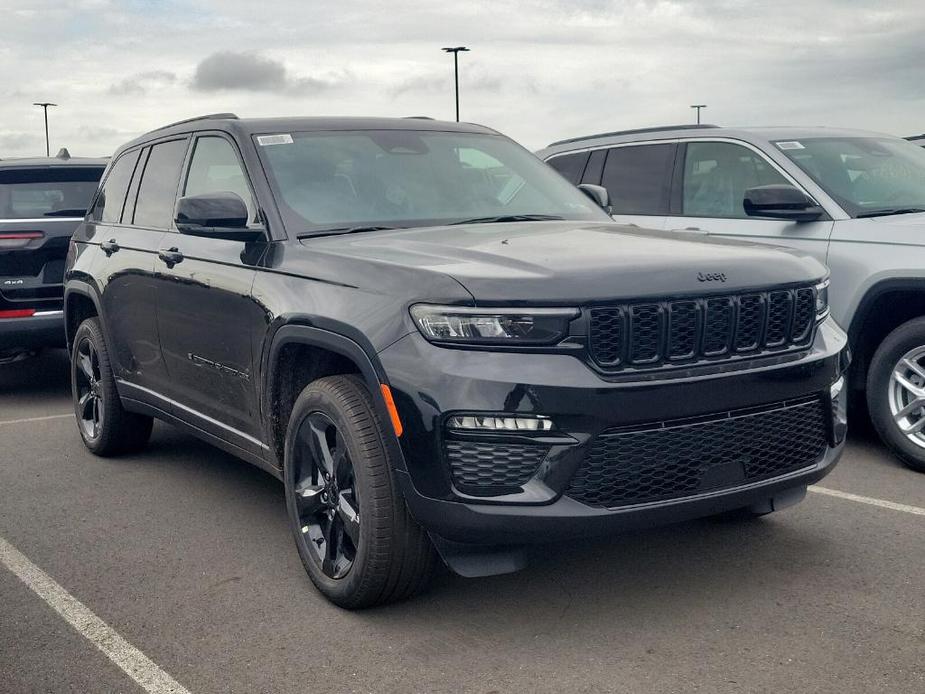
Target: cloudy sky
(539, 70)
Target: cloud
(227, 70)
(18, 142)
(539, 70)
(438, 82)
(142, 82)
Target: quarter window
(158, 190)
(111, 199)
(716, 176)
(638, 178)
(215, 168)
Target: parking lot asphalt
(185, 552)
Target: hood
(574, 262)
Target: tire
(886, 396)
(370, 551)
(105, 427)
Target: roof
(251, 126)
(42, 162)
(755, 135)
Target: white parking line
(892, 505)
(135, 663)
(36, 419)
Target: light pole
(45, 105)
(456, 51)
(698, 107)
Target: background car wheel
(896, 392)
(355, 536)
(105, 427)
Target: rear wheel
(352, 529)
(105, 427)
(896, 392)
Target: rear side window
(570, 165)
(111, 200)
(47, 192)
(158, 190)
(716, 176)
(638, 178)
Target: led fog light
(499, 423)
(839, 399)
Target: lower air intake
(672, 460)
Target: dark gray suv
(42, 201)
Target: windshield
(867, 176)
(47, 192)
(404, 178)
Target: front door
(710, 195)
(206, 314)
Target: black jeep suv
(41, 203)
(440, 345)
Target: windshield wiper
(73, 212)
(509, 218)
(344, 230)
(891, 210)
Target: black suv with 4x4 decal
(42, 201)
(440, 346)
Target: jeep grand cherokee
(440, 346)
(41, 203)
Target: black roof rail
(637, 131)
(417, 118)
(916, 137)
(208, 116)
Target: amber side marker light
(390, 406)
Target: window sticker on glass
(282, 139)
(791, 144)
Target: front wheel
(355, 536)
(896, 392)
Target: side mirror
(216, 215)
(781, 201)
(598, 195)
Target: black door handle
(109, 247)
(171, 256)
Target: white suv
(854, 199)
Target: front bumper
(429, 383)
(45, 329)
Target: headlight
(822, 298)
(505, 326)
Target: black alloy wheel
(103, 423)
(88, 389)
(353, 531)
(325, 494)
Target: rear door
(709, 193)
(128, 231)
(638, 179)
(206, 314)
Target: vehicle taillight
(17, 313)
(18, 239)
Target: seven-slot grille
(656, 333)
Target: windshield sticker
(792, 144)
(282, 139)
